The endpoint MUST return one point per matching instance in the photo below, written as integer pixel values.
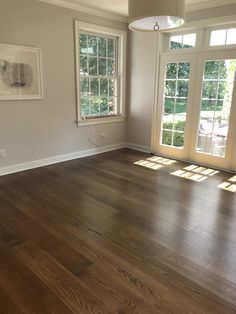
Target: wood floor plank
(28, 292)
(77, 296)
(104, 235)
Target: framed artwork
(20, 72)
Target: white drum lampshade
(154, 15)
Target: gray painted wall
(142, 64)
(36, 129)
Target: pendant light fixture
(155, 15)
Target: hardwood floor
(104, 235)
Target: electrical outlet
(2, 153)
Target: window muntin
(175, 103)
(223, 37)
(185, 41)
(217, 90)
(98, 75)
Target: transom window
(183, 41)
(223, 37)
(100, 59)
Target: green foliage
(175, 45)
(169, 134)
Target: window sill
(100, 120)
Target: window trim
(167, 36)
(218, 47)
(121, 68)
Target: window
(223, 37)
(100, 58)
(217, 92)
(175, 103)
(183, 41)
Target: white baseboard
(145, 149)
(57, 159)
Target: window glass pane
(102, 66)
(111, 48)
(94, 87)
(179, 125)
(178, 140)
(83, 65)
(181, 105)
(210, 89)
(102, 47)
(171, 70)
(95, 106)
(175, 104)
(84, 86)
(104, 87)
(92, 45)
(223, 70)
(182, 89)
(215, 107)
(167, 137)
(208, 106)
(183, 41)
(111, 67)
(104, 106)
(169, 106)
(112, 105)
(83, 44)
(112, 88)
(93, 66)
(223, 86)
(170, 89)
(176, 42)
(231, 36)
(189, 40)
(85, 105)
(211, 70)
(183, 71)
(218, 37)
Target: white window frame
(218, 47)
(167, 37)
(199, 54)
(81, 27)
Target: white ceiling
(120, 7)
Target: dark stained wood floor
(103, 235)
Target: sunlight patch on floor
(202, 170)
(233, 179)
(195, 173)
(228, 186)
(148, 164)
(189, 175)
(161, 160)
(155, 162)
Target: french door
(196, 118)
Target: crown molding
(74, 5)
(208, 4)
(85, 9)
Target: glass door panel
(216, 99)
(174, 112)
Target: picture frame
(20, 72)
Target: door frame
(199, 157)
(179, 153)
(197, 65)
